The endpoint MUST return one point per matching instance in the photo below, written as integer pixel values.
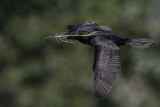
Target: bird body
(106, 52)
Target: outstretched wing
(106, 67)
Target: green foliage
(33, 74)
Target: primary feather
(106, 67)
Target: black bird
(106, 52)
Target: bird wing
(106, 67)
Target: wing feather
(106, 67)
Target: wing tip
(101, 90)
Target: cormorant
(106, 52)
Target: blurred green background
(34, 74)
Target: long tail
(140, 43)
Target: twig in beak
(61, 38)
(52, 37)
(90, 34)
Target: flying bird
(106, 46)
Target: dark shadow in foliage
(126, 62)
(8, 9)
(76, 90)
(105, 102)
(7, 99)
(2, 65)
(36, 80)
(153, 81)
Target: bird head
(85, 32)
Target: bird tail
(140, 43)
